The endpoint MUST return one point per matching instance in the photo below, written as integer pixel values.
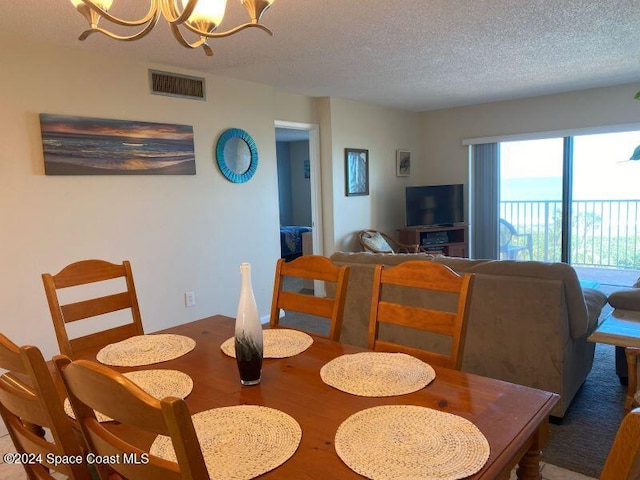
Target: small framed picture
(403, 163)
(356, 171)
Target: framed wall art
(96, 146)
(356, 170)
(403, 163)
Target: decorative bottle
(248, 333)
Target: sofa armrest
(625, 299)
(595, 300)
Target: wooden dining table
(512, 417)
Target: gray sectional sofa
(528, 324)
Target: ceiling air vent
(174, 85)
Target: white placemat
(278, 343)
(145, 350)
(411, 443)
(157, 383)
(240, 442)
(377, 374)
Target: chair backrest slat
(314, 267)
(95, 306)
(88, 271)
(427, 276)
(83, 273)
(103, 337)
(22, 402)
(435, 321)
(321, 307)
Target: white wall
(381, 131)
(442, 131)
(179, 232)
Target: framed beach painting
(95, 146)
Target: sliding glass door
(573, 199)
(531, 191)
(606, 196)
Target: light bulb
(209, 11)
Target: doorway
(299, 191)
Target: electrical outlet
(189, 299)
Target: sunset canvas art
(95, 146)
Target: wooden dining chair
(312, 267)
(423, 275)
(83, 273)
(632, 399)
(29, 402)
(94, 387)
(623, 461)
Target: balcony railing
(604, 233)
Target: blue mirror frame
(222, 162)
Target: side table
(622, 329)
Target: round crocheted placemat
(157, 383)
(240, 442)
(412, 443)
(377, 374)
(145, 350)
(278, 343)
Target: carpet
(582, 441)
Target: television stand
(449, 241)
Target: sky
(532, 169)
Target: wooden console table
(621, 328)
(450, 241)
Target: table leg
(529, 465)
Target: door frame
(315, 182)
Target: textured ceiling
(411, 54)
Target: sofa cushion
(376, 242)
(625, 299)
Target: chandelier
(201, 17)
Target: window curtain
(485, 200)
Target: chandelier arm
(122, 38)
(172, 14)
(152, 15)
(228, 32)
(199, 43)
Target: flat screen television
(434, 205)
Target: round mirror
(237, 155)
